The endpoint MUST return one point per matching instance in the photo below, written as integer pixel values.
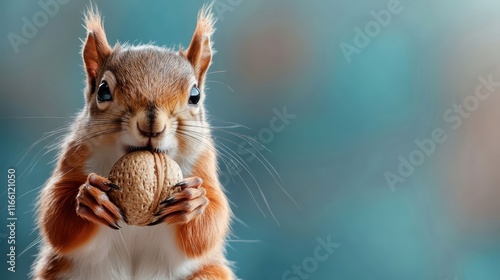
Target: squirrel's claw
(192, 182)
(86, 213)
(185, 205)
(114, 186)
(93, 203)
(168, 201)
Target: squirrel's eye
(194, 97)
(104, 93)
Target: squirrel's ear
(95, 48)
(200, 49)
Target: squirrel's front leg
(69, 216)
(201, 214)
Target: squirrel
(140, 97)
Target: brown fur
(144, 80)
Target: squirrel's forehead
(149, 61)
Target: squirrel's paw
(93, 204)
(185, 205)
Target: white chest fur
(132, 252)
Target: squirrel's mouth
(129, 149)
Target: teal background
(352, 122)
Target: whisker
(221, 84)
(241, 136)
(215, 72)
(31, 245)
(257, 157)
(40, 154)
(233, 124)
(47, 135)
(266, 165)
(222, 155)
(243, 241)
(55, 145)
(240, 221)
(244, 165)
(254, 150)
(269, 171)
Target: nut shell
(146, 179)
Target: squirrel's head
(147, 97)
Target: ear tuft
(206, 20)
(95, 48)
(200, 49)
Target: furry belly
(132, 253)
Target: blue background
(354, 118)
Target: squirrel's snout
(151, 123)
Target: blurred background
(355, 87)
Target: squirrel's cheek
(102, 105)
(194, 111)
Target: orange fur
(212, 272)
(207, 230)
(58, 220)
(60, 226)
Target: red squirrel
(136, 97)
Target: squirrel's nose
(149, 132)
(151, 123)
